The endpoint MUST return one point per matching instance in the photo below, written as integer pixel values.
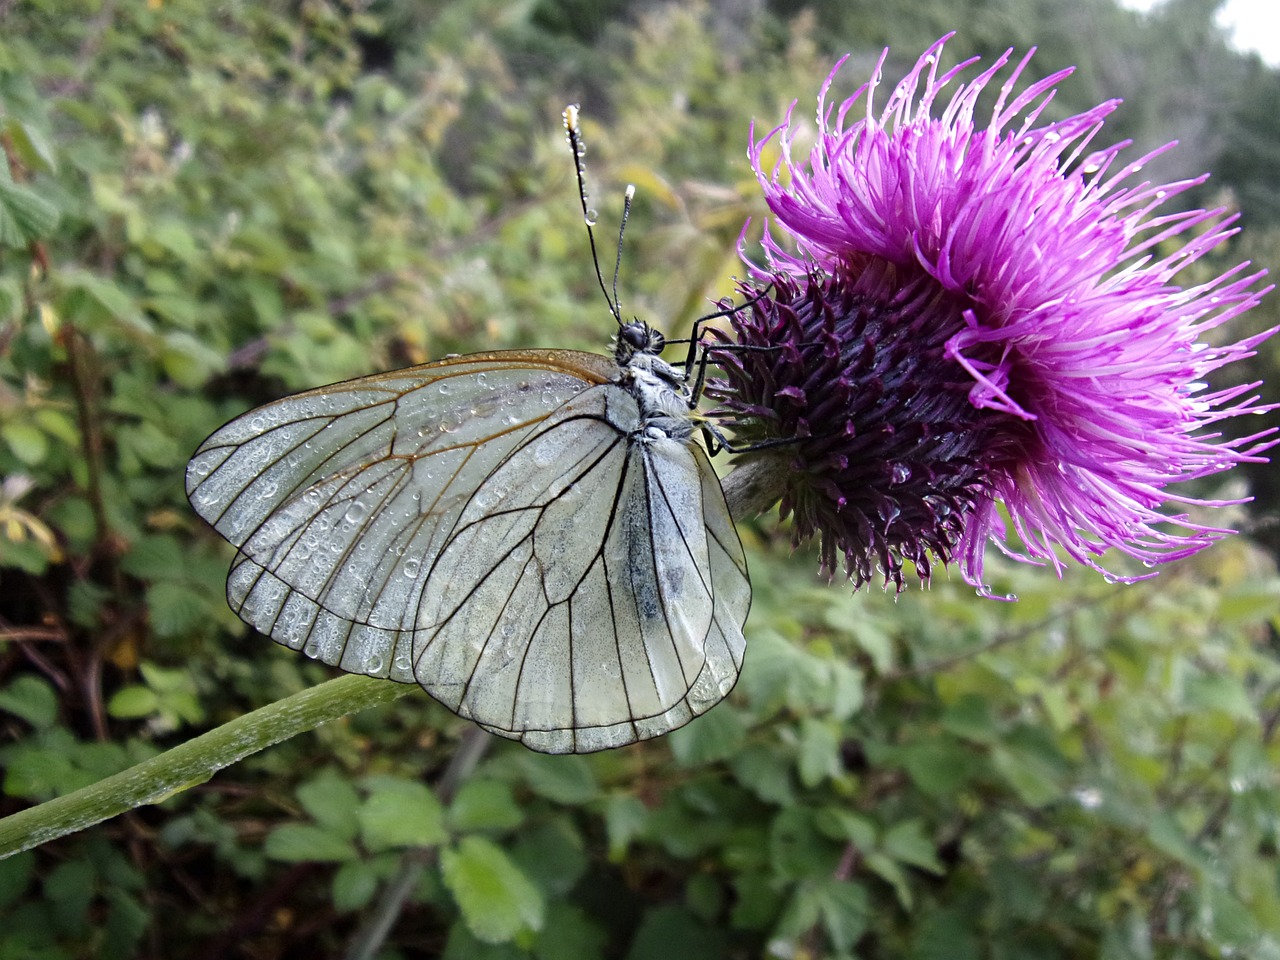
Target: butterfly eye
(636, 335)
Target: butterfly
(536, 537)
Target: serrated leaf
(819, 756)
(304, 843)
(565, 779)
(484, 805)
(842, 824)
(496, 899)
(401, 813)
(766, 772)
(31, 145)
(32, 699)
(175, 609)
(24, 214)
(890, 870)
(908, 842)
(844, 908)
(712, 737)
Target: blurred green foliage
(204, 206)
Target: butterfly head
(636, 337)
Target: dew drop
(356, 512)
(373, 664)
(411, 567)
(900, 473)
(591, 217)
(545, 454)
(312, 649)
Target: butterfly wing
(593, 590)
(340, 498)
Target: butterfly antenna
(589, 215)
(622, 228)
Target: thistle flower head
(958, 316)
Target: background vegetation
(207, 205)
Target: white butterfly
(534, 536)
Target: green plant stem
(194, 761)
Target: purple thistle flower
(982, 315)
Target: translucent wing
(594, 589)
(341, 498)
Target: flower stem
(195, 761)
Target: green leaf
(756, 902)
(133, 702)
(553, 855)
(845, 909)
(1219, 692)
(908, 842)
(400, 813)
(940, 767)
(819, 751)
(842, 824)
(69, 889)
(31, 698)
(1031, 774)
(24, 214)
(890, 870)
(945, 935)
(304, 843)
(16, 873)
(625, 818)
(496, 899)
(354, 884)
(332, 802)
(970, 717)
(27, 441)
(566, 779)
(710, 738)
(797, 849)
(673, 933)
(175, 608)
(31, 144)
(766, 771)
(484, 805)
(569, 934)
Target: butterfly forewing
(593, 590)
(340, 498)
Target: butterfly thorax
(658, 387)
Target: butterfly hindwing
(593, 591)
